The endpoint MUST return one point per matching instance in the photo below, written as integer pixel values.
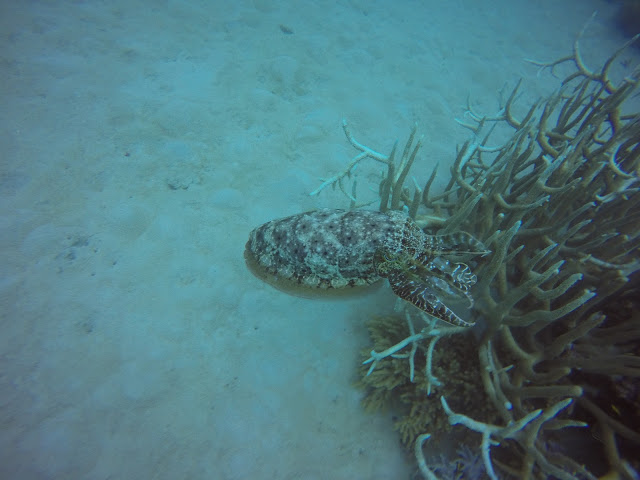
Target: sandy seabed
(141, 142)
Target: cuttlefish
(332, 251)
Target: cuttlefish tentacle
(454, 244)
(424, 281)
(419, 294)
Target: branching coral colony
(558, 206)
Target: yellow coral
(389, 385)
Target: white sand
(139, 146)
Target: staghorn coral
(557, 203)
(466, 466)
(390, 385)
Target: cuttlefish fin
(418, 293)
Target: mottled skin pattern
(337, 249)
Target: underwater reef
(546, 385)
